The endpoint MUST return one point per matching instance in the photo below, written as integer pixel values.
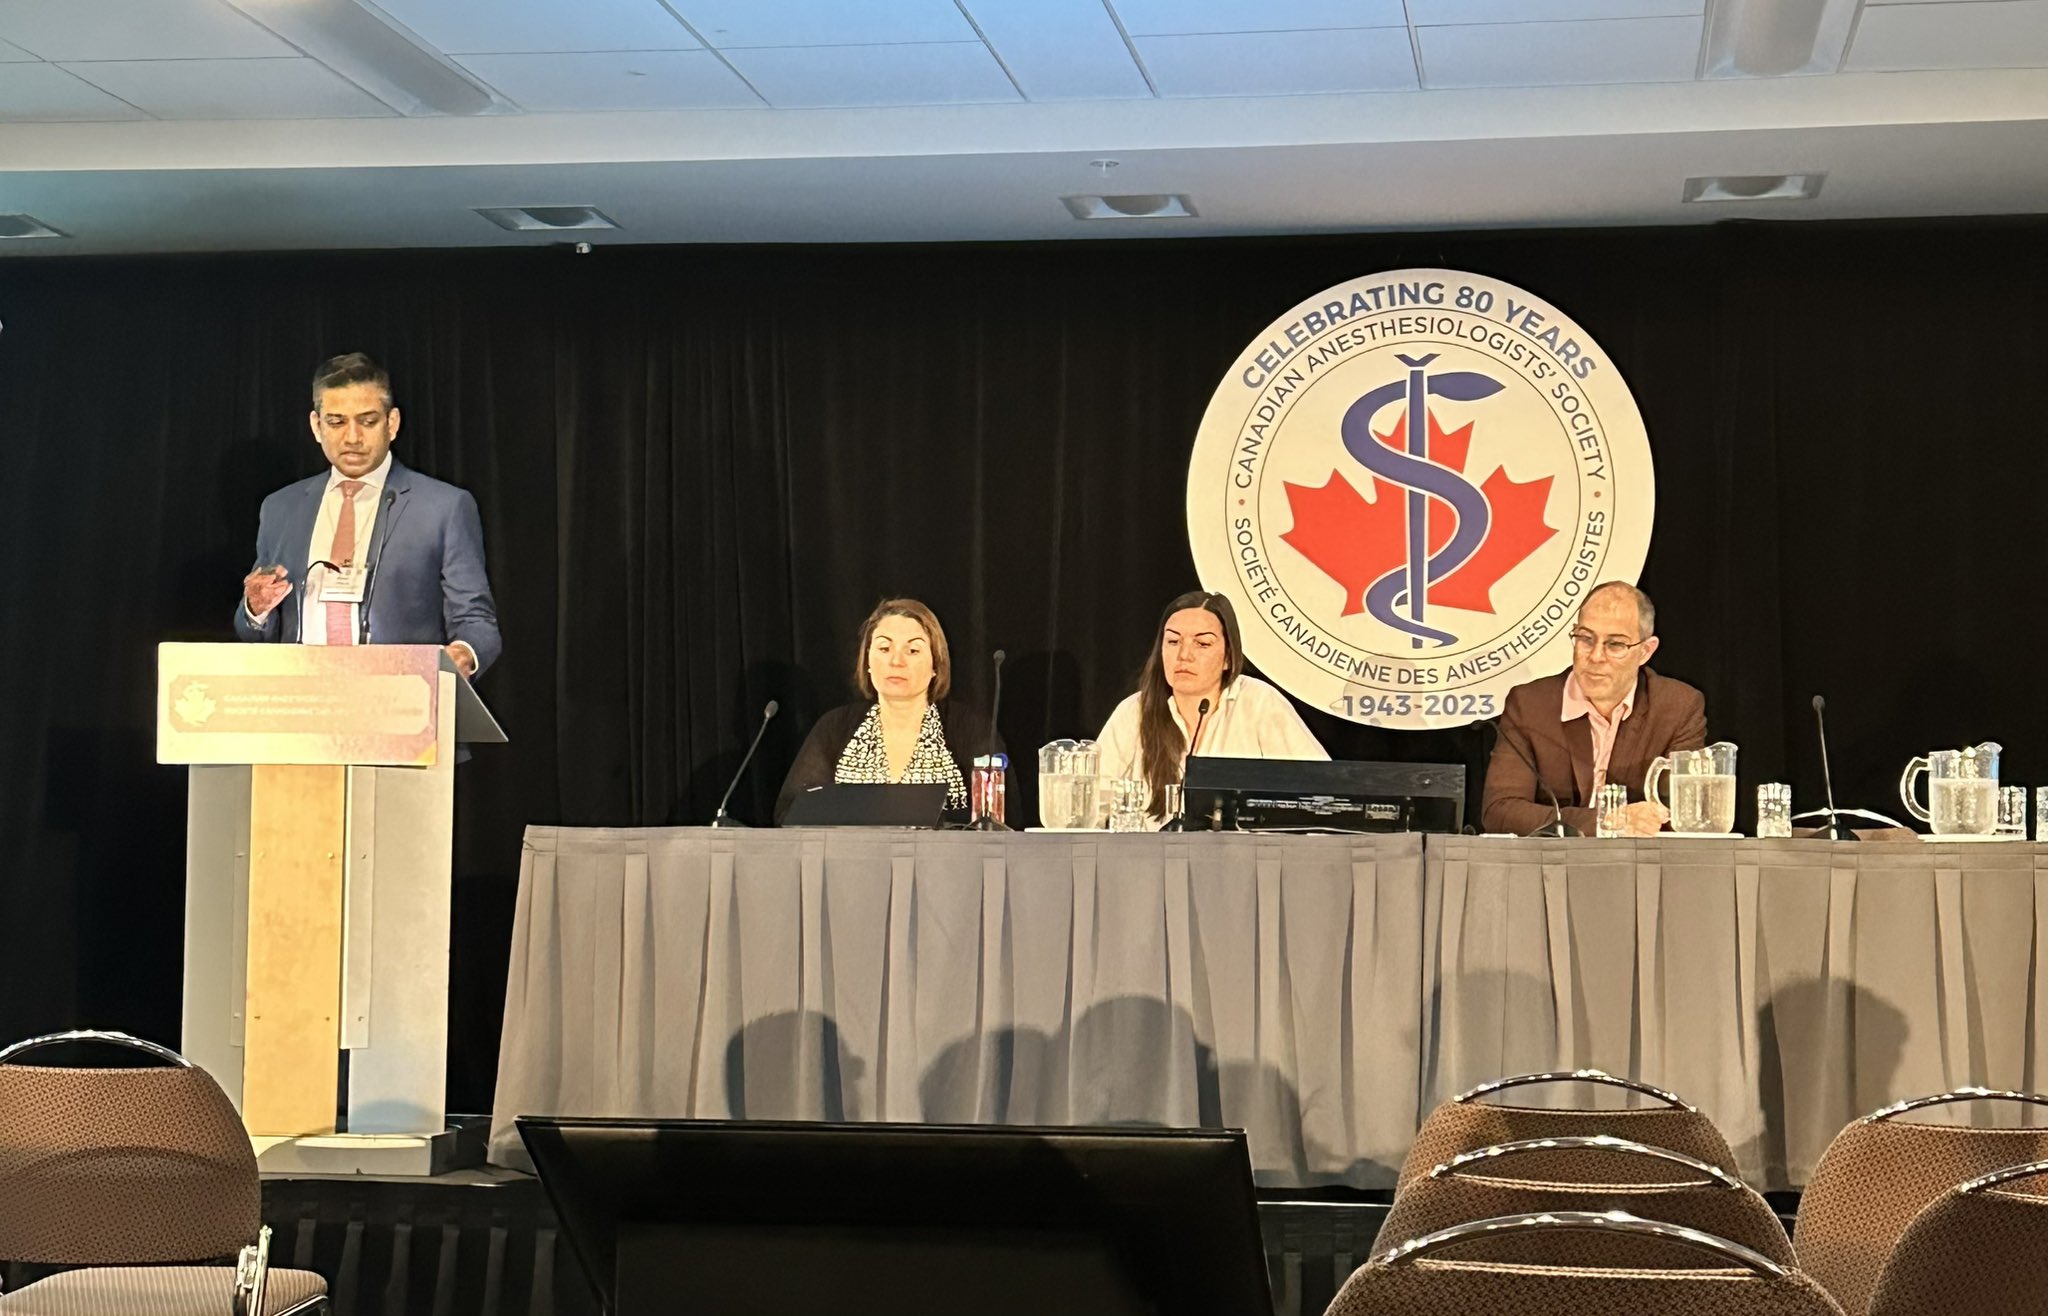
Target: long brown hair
(1161, 742)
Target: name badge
(343, 586)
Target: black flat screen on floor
(726, 1218)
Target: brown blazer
(1666, 715)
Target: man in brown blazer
(1602, 721)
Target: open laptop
(856, 805)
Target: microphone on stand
(370, 570)
(306, 592)
(1557, 826)
(1836, 829)
(984, 818)
(1179, 821)
(720, 819)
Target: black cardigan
(966, 731)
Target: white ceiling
(147, 125)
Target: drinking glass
(1127, 799)
(2012, 811)
(1774, 809)
(1610, 811)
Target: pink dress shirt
(1603, 728)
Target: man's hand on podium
(464, 659)
(263, 589)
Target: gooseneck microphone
(384, 524)
(720, 819)
(1179, 821)
(1836, 828)
(1557, 826)
(984, 818)
(305, 592)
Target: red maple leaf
(1354, 541)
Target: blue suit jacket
(426, 556)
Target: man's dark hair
(348, 369)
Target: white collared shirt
(324, 522)
(367, 501)
(1255, 722)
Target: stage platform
(485, 1243)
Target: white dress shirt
(1255, 721)
(367, 502)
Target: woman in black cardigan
(901, 729)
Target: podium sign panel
(297, 703)
(318, 864)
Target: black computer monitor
(1279, 795)
(731, 1218)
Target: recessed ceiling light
(1755, 187)
(1148, 205)
(1771, 38)
(27, 226)
(546, 219)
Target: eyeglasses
(1614, 647)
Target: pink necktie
(340, 629)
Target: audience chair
(1881, 1171)
(1466, 1123)
(1417, 1279)
(1980, 1249)
(138, 1178)
(1687, 1191)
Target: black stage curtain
(699, 467)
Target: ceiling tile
(13, 54)
(1060, 49)
(614, 80)
(44, 92)
(1180, 17)
(1561, 54)
(1973, 34)
(817, 77)
(296, 88)
(67, 30)
(732, 23)
(1280, 63)
(467, 27)
(1436, 13)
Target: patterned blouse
(865, 759)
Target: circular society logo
(1407, 484)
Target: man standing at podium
(394, 557)
(1604, 720)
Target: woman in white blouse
(1196, 659)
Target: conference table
(1321, 992)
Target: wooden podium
(317, 865)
